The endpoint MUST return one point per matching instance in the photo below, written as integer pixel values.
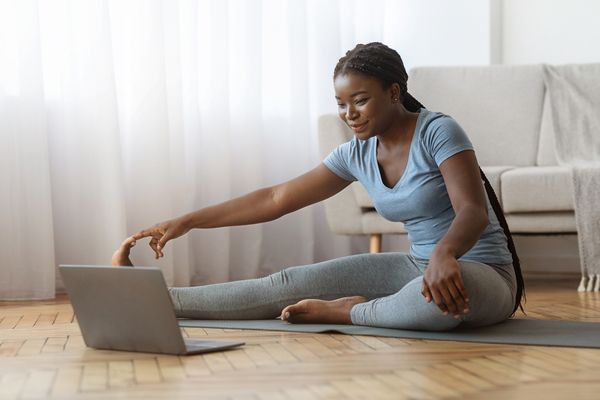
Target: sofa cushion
(500, 107)
(542, 222)
(537, 189)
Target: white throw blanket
(575, 103)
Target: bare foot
(121, 256)
(321, 311)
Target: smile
(359, 128)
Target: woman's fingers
(164, 239)
(161, 233)
(451, 306)
(448, 298)
(457, 299)
(461, 288)
(452, 299)
(460, 294)
(426, 292)
(154, 231)
(438, 299)
(159, 248)
(143, 234)
(447, 290)
(154, 245)
(157, 234)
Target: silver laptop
(129, 308)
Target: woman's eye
(361, 101)
(340, 105)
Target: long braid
(511, 245)
(378, 60)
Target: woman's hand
(162, 232)
(443, 283)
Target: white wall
(441, 32)
(424, 32)
(471, 32)
(555, 32)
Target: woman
(420, 168)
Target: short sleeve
(445, 138)
(338, 161)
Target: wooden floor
(42, 356)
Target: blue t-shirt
(420, 199)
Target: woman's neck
(400, 131)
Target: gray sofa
(506, 113)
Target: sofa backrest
(546, 153)
(500, 107)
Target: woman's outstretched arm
(262, 205)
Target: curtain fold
(26, 215)
(116, 115)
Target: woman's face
(364, 104)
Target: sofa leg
(375, 245)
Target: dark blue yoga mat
(512, 331)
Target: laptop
(129, 308)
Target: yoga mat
(511, 331)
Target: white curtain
(115, 115)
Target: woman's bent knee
(406, 309)
(490, 299)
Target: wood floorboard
(42, 355)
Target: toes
(291, 312)
(287, 312)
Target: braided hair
(379, 61)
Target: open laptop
(129, 308)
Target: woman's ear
(394, 91)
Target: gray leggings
(391, 282)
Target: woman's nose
(351, 114)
